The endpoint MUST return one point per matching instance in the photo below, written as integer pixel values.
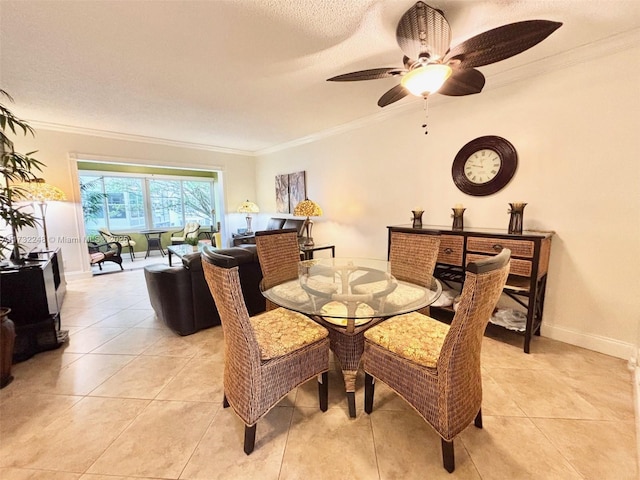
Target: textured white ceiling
(246, 74)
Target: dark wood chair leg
(323, 391)
(369, 390)
(249, 438)
(478, 421)
(225, 403)
(351, 402)
(448, 459)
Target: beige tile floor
(127, 399)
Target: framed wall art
(282, 193)
(291, 189)
(297, 189)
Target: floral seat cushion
(413, 336)
(281, 331)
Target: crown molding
(56, 127)
(585, 53)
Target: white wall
(576, 132)
(577, 137)
(57, 149)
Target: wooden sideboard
(527, 280)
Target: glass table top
(357, 289)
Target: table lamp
(308, 208)
(40, 192)
(248, 208)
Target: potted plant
(193, 241)
(15, 168)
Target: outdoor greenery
(92, 201)
(128, 203)
(15, 168)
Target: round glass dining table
(348, 296)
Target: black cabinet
(244, 240)
(34, 291)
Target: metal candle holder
(417, 218)
(515, 220)
(458, 220)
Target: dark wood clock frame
(508, 165)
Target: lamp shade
(307, 208)
(248, 207)
(40, 191)
(422, 81)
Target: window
(125, 205)
(133, 202)
(166, 203)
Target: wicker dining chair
(413, 256)
(436, 367)
(266, 356)
(279, 254)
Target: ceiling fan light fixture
(423, 81)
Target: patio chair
(436, 367)
(265, 356)
(124, 240)
(190, 230)
(105, 252)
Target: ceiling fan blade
(502, 42)
(423, 32)
(372, 74)
(463, 82)
(393, 95)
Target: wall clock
(484, 165)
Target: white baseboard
(605, 345)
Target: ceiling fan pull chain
(426, 114)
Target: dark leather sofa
(181, 298)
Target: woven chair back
(241, 354)
(459, 361)
(279, 254)
(413, 256)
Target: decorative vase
(515, 221)
(7, 340)
(458, 220)
(417, 218)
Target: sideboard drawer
(518, 267)
(451, 249)
(519, 248)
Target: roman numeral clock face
(484, 165)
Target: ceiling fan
(431, 66)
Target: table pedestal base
(348, 348)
